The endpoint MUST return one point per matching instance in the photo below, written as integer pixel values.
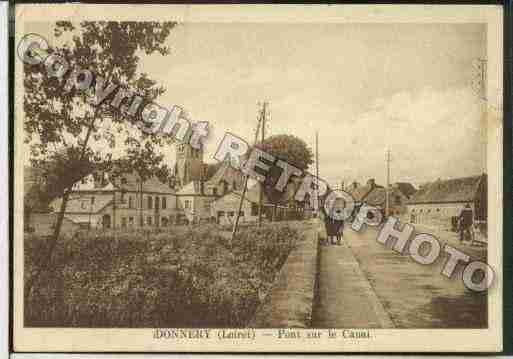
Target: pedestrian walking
(465, 222)
(334, 228)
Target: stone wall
(290, 301)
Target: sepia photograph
(257, 178)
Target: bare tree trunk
(57, 230)
(114, 210)
(141, 202)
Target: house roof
(452, 190)
(191, 188)
(130, 182)
(406, 188)
(74, 204)
(376, 195)
(253, 194)
(361, 193)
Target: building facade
(439, 202)
(375, 195)
(121, 203)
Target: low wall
(289, 303)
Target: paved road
(362, 277)
(345, 297)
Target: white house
(96, 201)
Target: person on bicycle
(465, 222)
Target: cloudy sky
(364, 87)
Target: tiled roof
(80, 204)
(453, 190)
(191, 188)
(376, 195)
(363, 192)
(406, 188)
(130, 182)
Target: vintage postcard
(258, 178)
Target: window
(231, 214)
(124, 181)
(148, 220)
(241, 213)
(234, 185)
(220, 214)
(187, 204)
(214, 191)
(150, 202)
(130, 202)
(131, 221)
(157, 202)
(206, 205)
(122, 197)
(438, 209)
(254, 209)
(164, 204)
(397, 200)
(123, 222)
(83, 204)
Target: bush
(168, 278)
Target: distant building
(375, 195)
(195, 202)
(225, 208)
(189, 164)
(282, 207)
(196, 197)
(99, 202)
(437, 203)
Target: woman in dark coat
(334, 228)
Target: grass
(178, 277)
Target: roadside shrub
(191, 277)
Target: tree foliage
(64, 127)
(289, 148)
(56, 118)
(292, 150)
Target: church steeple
(189, 164)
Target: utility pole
(90, 212)
(387, 191)
(317, 170)
(261, 199)
(246, 177)
(479, 80)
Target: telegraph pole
(387, 191)
(246, 177)
(317, 169)
(261, 199)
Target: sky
(365, 88)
